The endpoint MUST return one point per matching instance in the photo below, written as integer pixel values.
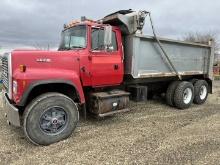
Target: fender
(36, 77)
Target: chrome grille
(5, 73)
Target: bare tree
(204, 38)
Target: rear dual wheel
(201, 91)
(180, 94)
(170, 93)
(183, 94)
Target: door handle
(83, 69)
(116, 67)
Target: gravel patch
(151, 133)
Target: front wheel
(50, 118)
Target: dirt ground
(151, 133)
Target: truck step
(114, 112)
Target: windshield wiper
(70, 48)
(79, 47)
(60, 49)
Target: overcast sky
(37, 23)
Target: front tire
(50, 118)
(184, 95)
(201, 91)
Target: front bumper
(12, 113)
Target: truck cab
(100, 64)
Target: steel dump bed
(144, 58)
(147, 57)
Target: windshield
(73, 38)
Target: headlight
(15, 87)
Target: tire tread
(178, 96)
(197, 87)
(170, 93)
(31, 105)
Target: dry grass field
(152, 133)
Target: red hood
(16, 50)
(39, 58)
(36, 59)
(44, 65)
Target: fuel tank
(108, 103)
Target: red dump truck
(100, 66)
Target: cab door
(106, 66)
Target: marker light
(22, 68)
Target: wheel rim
(53, 120)
(187, 95)
(203, 92)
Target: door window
(98, 40)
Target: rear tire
(201, 91)
(184, 95)
(50, 118)
(170, 93)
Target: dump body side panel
(145, 59)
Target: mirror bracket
(108, 38)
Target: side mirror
(108, 37)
